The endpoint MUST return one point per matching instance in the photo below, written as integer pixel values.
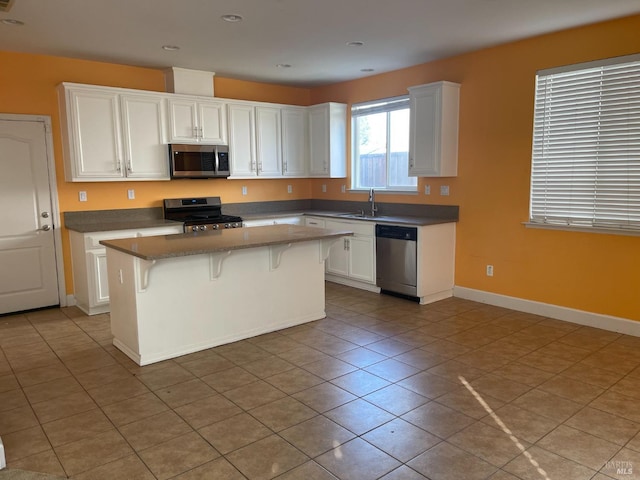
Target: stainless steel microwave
(199, 161)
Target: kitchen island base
(162, 309)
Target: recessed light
(367, 70)
(355, 44)
(11, 21)
(232, 18)
(170, 48)
(283, 65)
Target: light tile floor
(381, 388)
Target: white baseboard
(351, 283)
(581, 317)
(71, 300)
(3, 461)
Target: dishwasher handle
(397, 232)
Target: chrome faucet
(372, 200)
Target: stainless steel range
(199, 214)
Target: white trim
(3, 461)
(581, 317)
(53, 189)
(351, 283)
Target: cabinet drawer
(357, 227)
(314, 222)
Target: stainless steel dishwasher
(396, 259)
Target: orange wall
(594, 272)
(28, 86)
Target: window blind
(586, 146)
(378, 106)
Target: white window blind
(586, 146)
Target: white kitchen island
(176, 294)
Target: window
(586, 146)
(380, 137)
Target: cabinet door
(213, 127)
(145, 153)
(362, 258)
(183, 121)
(433, 131)
(424, 146)
(319, 141)
(97, 262)
(294, 141)
(242, 149)
(338, 260)
(268, 141)
(94, 118)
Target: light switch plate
(427, 189)
(289, 189)
(343, 189)
(244, 190)
(82, 196)
(131, 194)
(444, 190)
(324, 188)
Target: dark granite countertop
(197, 243)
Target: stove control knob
(215, 226)
(194, 228)
(203, 228)
(226, 225)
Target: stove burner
(199, 214)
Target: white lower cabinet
(351, 260)
(89, 263)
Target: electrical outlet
(131, 194)
(343, 189)
(489, 270)
(82, 196)
(444, 190)
(244, 190)
(324, 188)
(427, 189)
(289, 189)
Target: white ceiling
(310, 35)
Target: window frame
(383, 105)
(592, 211)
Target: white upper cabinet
(145, 152)
(242, 145)
(196, 120)
(268, 141)
(327, 140)
(433, 132)
(295, 141)
(112, 134)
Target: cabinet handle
(259, 166)
(119, 166)
(129, 170)
(284, 166)
(201, 133)
(411, 163)
(253, 166)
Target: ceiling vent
(5, 5)
(189, 82)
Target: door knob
(44, 214)
(46, 228)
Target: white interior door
(28, 275)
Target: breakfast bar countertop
(197, 243)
